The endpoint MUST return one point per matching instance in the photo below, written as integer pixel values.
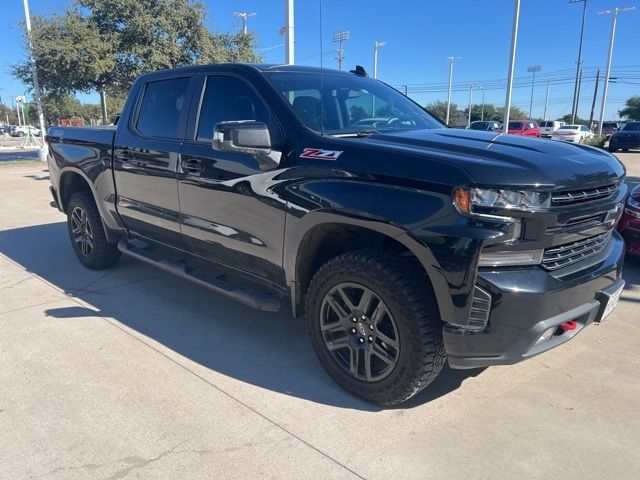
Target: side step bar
(251, 298)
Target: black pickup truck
(403, 242)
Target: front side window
(161, 106)
(341, 104)
(632, 127)
(516, 125)
(229, 99)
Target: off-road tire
(402, 284)
(103, 254)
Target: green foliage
(596, 141)
(439, 110)
(579, 121)
(477, 114)
(7, 112)
(515, 113)
(105, 44)
(631, 109)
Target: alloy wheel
(81, 229)
(359, 331)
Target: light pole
(574, 109)
(614, 16)
(512, 61)
(546, 99)
(482, 108)
(289, 32)
(533, 69)
(34, 73)
(339, 38)
(244, 16)
(451, 60)
(470, 104)
(376, 45)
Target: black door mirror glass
(243, 136)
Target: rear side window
(161, 106)
(230, 99)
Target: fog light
(546, 335)
(510, 258)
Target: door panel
(229, 211)
(146, 157)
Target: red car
(629, 225)
(526, 128)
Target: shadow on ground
(269, 350)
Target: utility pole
(482, 108)
(533, 69)
(593, 104)
(376, 46)
(406, 91)
(470, 104)
(512, 61)
(339, 38)
(546, 99)
(578, 95)
(576, 88)
(244, 16)
(451, 60)
(103, 104)
(614, 16)
(34, 73)
(289, 32)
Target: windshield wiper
(360, 133)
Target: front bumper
(526, 302)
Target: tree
(439, 109)
(514, 114)
(102, 45)
(9, 113)
(477, 114)
(568, 117)
(631, 109)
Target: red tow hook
(568, 325)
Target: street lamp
(470, 104)
(451, 60)
(546, 99)
(482, 108)
(34, 73)
(576, 89)
(614, 16)
(244, 16)
(339, 38)
(376, 45)
(533, 69)
(512, 61)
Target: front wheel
(87, 234)
(375, 326)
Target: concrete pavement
(131, 373)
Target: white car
(549, 126)
(572, 133)
(22, 131)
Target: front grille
(480, 309)
(570, 253)
(586, 195)
(579, 223)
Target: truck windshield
(349, 104)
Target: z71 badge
(321, 154)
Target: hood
(493, 159)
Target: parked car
(549, 126)
(626, 139)
(609, 128)
(525, 128)
(572, 133)
(22, 131)
(487, 125)
(629, 225)
(397, 245)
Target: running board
(251, 298)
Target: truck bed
(90, 135)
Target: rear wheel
(87, 233)
(374, 325)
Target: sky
(420, 35)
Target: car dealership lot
(132, 373)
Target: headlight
(467, 200)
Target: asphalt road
(132, 373)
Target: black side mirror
(242, 136)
